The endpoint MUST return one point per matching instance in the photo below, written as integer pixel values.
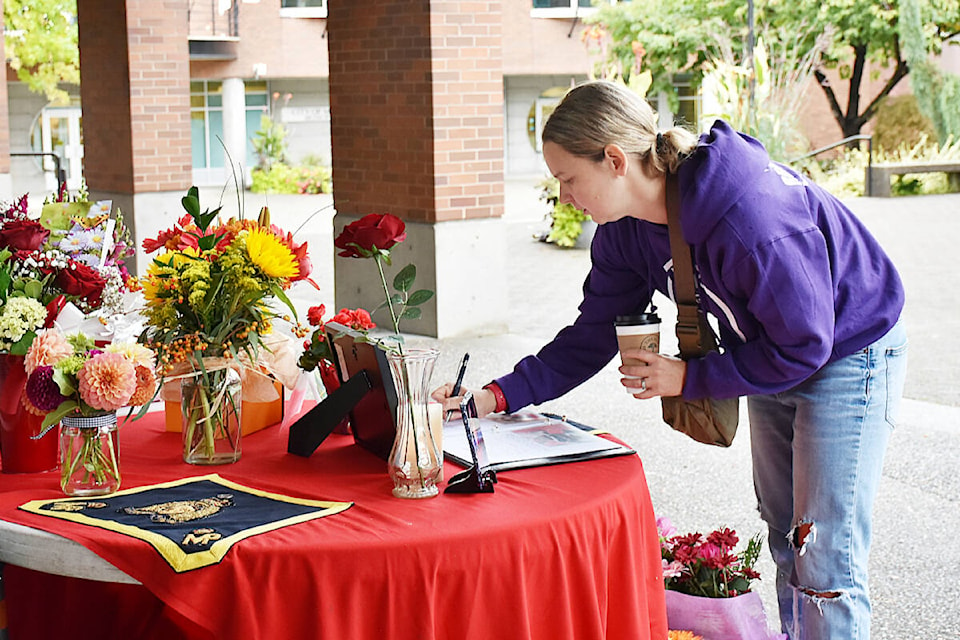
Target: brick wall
(4, 114)
(136, 94)
(416, 101)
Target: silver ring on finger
(643, 385)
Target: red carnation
(372, 234)
(23, 235)
(315, 315)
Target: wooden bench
(878, 175)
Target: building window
(563, 8)
(303, 8)
(206, 121)
(688, 107)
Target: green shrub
(899, 123)
(566, 221)
(282, 178)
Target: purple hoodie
(793, 277)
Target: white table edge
(49, 553)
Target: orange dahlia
(146, 386)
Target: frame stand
(307, 433)
(479, 478)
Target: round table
(566, 551)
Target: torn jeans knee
(801, 535)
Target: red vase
(19, 452)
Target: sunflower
(271, 255)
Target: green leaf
(404, 279)
(411, 312)
(418, 297)
(66, 407)
(191, 202)
(33, 288)
(19, 348)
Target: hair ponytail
(599, 113)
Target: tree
(681, 37)
(40, 43)
(937, 93)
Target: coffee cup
(641, 331)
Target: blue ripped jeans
(817, 455)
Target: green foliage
(281, 178)
(566, 221)
(677, 36)
(566, 226)
(899, 122)
(40, 43)
(782, 73)
(937, 92)
(270, 143)
(844, 176)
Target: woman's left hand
(660, 376)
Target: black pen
(456, 385)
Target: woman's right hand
(484, 399)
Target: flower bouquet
(40, 281)
(708, 584)
(416, 462)
(71, 380)
(209, 317)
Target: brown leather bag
(708, 420)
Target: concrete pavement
(915, 554)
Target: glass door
(60, 133)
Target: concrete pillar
(6, 186)
(135, 94)
(416, 107)
(235, 127)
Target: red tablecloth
(568, 551)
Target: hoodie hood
(722, 157)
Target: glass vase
(89, 455)
(210, 400)
(415, 462)
(21, 450)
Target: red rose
(81, 282)
(23, 235)
(369, 235)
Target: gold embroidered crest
(76, 506)
(180, 511)
(203, 537)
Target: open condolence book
(529, 439)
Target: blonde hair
(595, 114)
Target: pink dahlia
(48, 348)
(107, 381)
(42, 392)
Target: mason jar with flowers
(415, 463)
(38, 279)
(210, 319)
(74, 382)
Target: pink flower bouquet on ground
(708, 584)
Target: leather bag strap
(693, 332)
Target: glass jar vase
(416, 462)
(210, 402)
(89, 455)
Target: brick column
(416, 105)
(135, 94)
(6, 186)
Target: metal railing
(213, 19)
(60, 173)
(846, 140)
